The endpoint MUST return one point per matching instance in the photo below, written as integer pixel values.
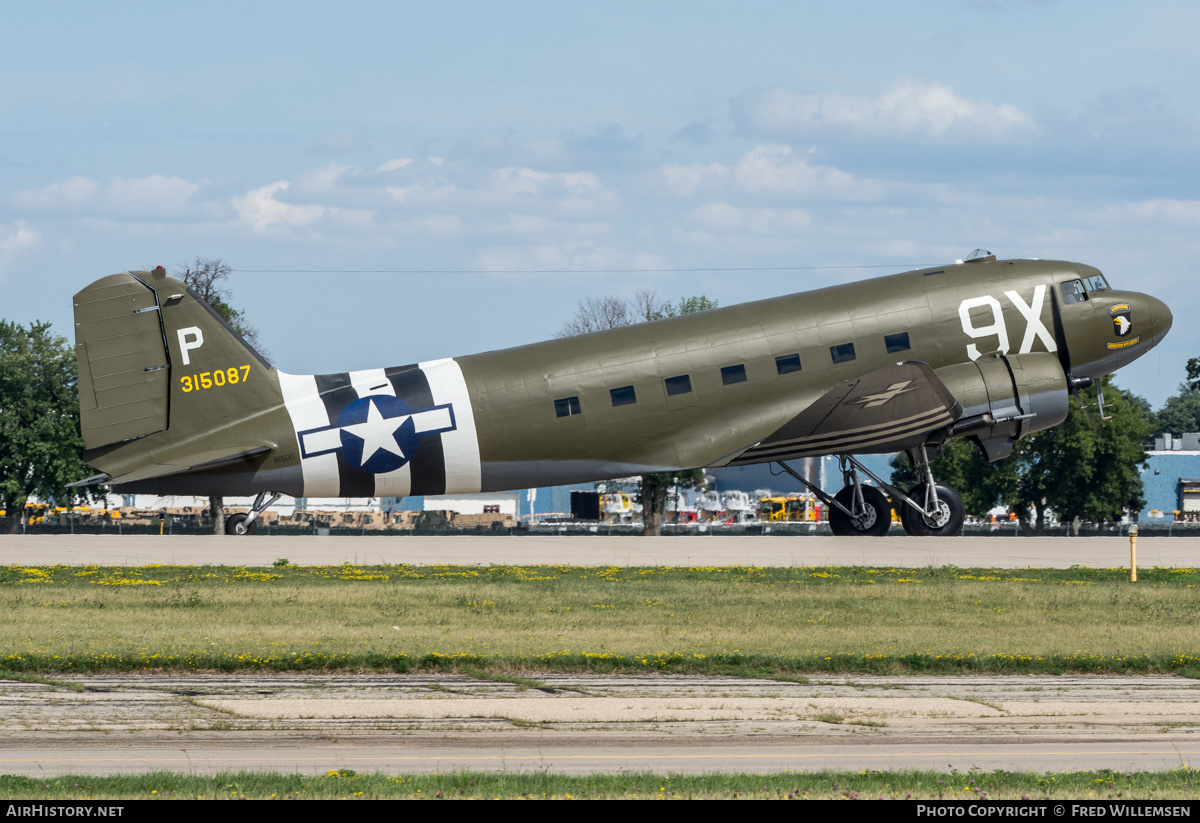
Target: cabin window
(787, 364)
(678, 385)
(623, 396)
(733, 374)
(843, 353)
(897, 342)
(566, 406)
(1072, 292)
(1097, 283)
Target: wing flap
(889, 409)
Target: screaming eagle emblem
(1122, 318)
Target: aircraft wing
(889, 409)
(199, 461)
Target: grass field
(1178, 784)
(736, 620)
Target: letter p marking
(186, 345)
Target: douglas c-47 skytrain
(173, 401)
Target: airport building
(1171, 480)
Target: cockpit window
(1073, 292)
(1097, 283)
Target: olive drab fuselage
(173, 402)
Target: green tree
(208, 277)
(1085, 467)
(1193, 373)
(1180, 413)
(594, 314)
(41, 450)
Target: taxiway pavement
(601, 550)
(591, 723)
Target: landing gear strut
(856, 509)
(245, 524)
(863, 510)
(930, 509)
(938, 510)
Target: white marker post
(1133, 553)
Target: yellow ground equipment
(795, 508)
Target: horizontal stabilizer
(94, 480)
(210, 459)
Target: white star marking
(378, 433)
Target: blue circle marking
(404, 435)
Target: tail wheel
(236, 524)
(946, 521)
(874, 520)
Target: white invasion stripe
(375, 381)
(307, 411)
(371, 381)
(396, 483)
(461, 446)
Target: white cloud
(425, 193)
(724, 217)
(559, 194)
(907, 109)
(14, 240)
(324, 178)
(773, 170)
(153, 195)
(685, 181)
(531, 225)
(392, 165)
(261, 210)
(70, 195)
(18, 238)
(514, 182)
(727, 218)
(1174, 212)
(770, 171)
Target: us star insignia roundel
(378, 433)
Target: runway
(595, 723)
(600, 550)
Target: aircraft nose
(1160, 318)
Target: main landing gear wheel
(873, 520)
(947, 520)
(236, 524)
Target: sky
(396, 182)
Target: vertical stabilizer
(165, 383)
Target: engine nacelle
(1005, 397)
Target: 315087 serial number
(212, 379)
